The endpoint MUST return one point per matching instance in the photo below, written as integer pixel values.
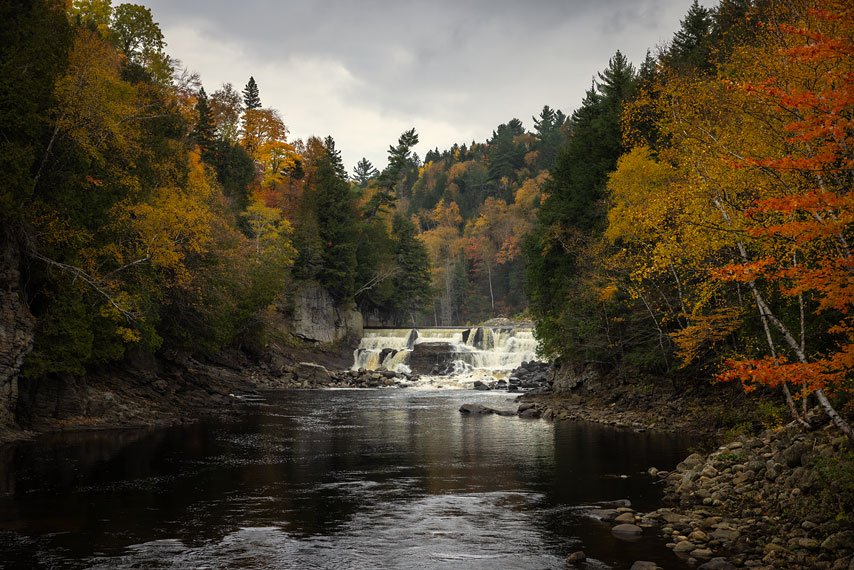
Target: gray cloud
(365, 71)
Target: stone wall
(16, 329)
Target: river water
(393, 478)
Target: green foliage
(836, 484)
(572, 215)
(336, 218)
(412, 284)
(251, 98)
(364, 172)
(34, 39)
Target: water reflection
(392, 478)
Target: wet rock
(684, 546)
(576, 557)
(717, 564)
(476, 409)
(627, 530)
(645, 565)
(432, 358)
(625, 518)
(530, 413)
(478, 385)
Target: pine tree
(572, 214)
(336, 220)
(690, 46)
(412, 289)
(364, 172)
(204, 133)
(251, 98)
(548, 130)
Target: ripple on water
(485, 530)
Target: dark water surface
(332, 479)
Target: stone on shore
(627, 530)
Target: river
(392, 478)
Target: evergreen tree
(506, 156)
(399, 161)
(412, 291)
(548, 130)
(690, 48)
(364, 172)
(204, 132)
(572, 213)
(251, 98)
(336, 221)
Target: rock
(478, 385)
(314, 374)
(717, 564)
(317, 318)
(530, 413)
(671, 517)
(645, 565)
(627, 530)
(433, 358)
(698, 536)
(702, 553)
(476, 409)
(685, 546)
(625, 518)
(838, 541)
(576, 557)
(725, 534)
(690, 463)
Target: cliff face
(316, 317)
(16, 329)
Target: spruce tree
(690, 48)
(204, 133)
(336, 221)
(572, 213)
(412, 291)
(251, 98)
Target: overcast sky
(365, 71)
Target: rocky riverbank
(784, 499)
(780, 499)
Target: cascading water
(452, 356)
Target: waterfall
(471, 353)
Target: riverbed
(391, 478)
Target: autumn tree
(226, 107)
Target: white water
(480, 353)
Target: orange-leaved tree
(798, 82)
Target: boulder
(476, 409)
(838, 541)
(432, 358)
(627, 530)
(645, 565)
(314, 374)
(717, 564)
(576, 557)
